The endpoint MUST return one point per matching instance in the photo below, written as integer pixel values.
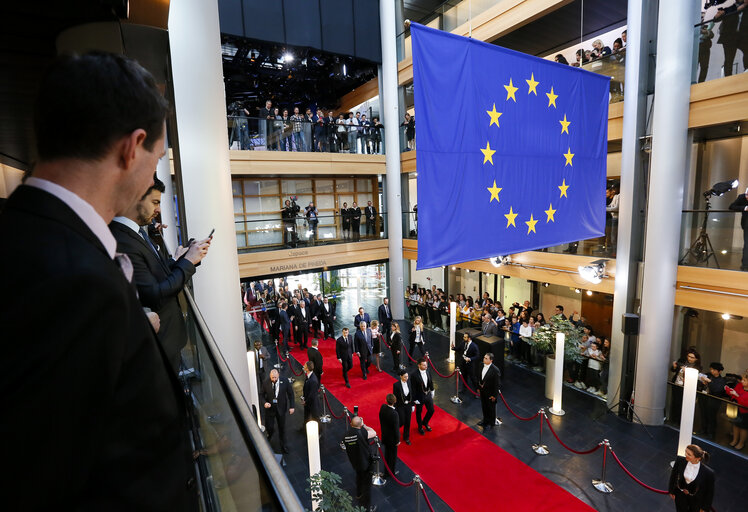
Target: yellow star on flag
(494, 115)
(488, 153)
(533, 84)
(494, 192)
(531, 225)
(565, 125)
(549, 212)
(568, 155)
(510, 90)
(563, 186)
(551, 98)
(510, 218)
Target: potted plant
(544, 341)
(325, 489)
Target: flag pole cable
(470, 18)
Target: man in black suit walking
(318, 314)
(364, 347)
(344, 349)
(302, 317)
(328, 317)
(423, 395)
(159, 282)
(468, 362)
(279, 401)
(489, 381)
(741, 205)
(404, 405)
(315, 357)
(385, 318)
(310, 399)
(96, 343)
(389, 421)
(362, 317)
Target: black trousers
(271, 417)
(347, 365)
(328, 327)
(356, 228)
(428, 402)
(365, 361)
(301, 335)
(369, 227)
(417, 347)
(390, 457)
(396, 359)
(469, 375)
(405, 413)
(363, 488)
(744, 262)
(489, 409)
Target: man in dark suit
(741, 205)
(488, 327)
(285, 324)
(361, 317)
(355, 214)
(364, 347)
(404, 405)
(315, 357)
(389, 422)
(345, 221)
(159, 282)
(489, 381)
(384, 313)
(423, 394)
(310, 399)
(371, 216)
(356, 442)
(278, 398)
(344, 349)
(469, 362)
(302, 317)
(318, 314)
(328, 317)
(92, 359)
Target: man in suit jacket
(404, 394)
(389, 422)
(489, 328)
(285, 324)
(361, 317)
(318, 314)
(315, 357)
(741, 205)
(328, 317)
(344, 349)
(278, 398)
(310, 399)
(384, 313)
(159, 283)
(262, 360)
(371, 216)
(92, 359)
(364, 347)
(423, 394)
(302, 317)
(468, 363)
(489, 381)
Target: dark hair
(561, 59)
(698, 452)
(100, 97)
(310, 366)
(422, 360)
(717, 366)
(560, 307)
(157, 185)
(391, 399)
(402, 372)
(490, 355)
(619, 41)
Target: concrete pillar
(390, 115)
(642, 19)
(168, 211)
(668, 170)
(199, 98)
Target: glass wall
(719, 39)
(258, 203)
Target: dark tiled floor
(646, 452)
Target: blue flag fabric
(511, 150)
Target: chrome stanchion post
(279, 365)
(291, 378)
(417, 480)
(456, 399)
(498, 422)
(325, 418)
(601, 484)
(540, 448)
(377, 478)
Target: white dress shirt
(425, 377)
(691, 472)
(405, 387)
(484, 371)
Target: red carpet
(468, 472)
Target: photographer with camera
(240, 131)
(288, 215)
(312, 219)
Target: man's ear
(128, 147)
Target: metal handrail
(285, 494)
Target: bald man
(279, 400)
(356, 441)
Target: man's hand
(154, 319)
(340, 361)
(267, 405)
(198, 250)
(291, 410)
(179, 252)
(493, 398)
(416, 402)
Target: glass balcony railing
(718, 40)
(272, 233)
(410, 225)
(256, 134)
(236, 467)
(711, 238)
(614, 66)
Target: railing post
(456, 398)
(601, 484)
(540, 448)
(325, 418)
(377, 478)
(417, 481)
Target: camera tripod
(701, 249)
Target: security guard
(356, 441)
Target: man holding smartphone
(159, 281)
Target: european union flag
(511, 150)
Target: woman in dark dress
(396, 346)
(692, 481)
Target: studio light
(594, 272)
(719, 189)
(498, 261)
(287, 57)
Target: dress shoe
(285, 450)
(421, 431)
(481, 424)
(364, 377)
(428, 427)
(348, 384)
(407, 441)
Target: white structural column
(168, 211)
(390, 119)
(665, 200)
(195, 43)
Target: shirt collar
(82, 209)
(125, 221)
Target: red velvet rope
(658, 491)
(290, 365)
(381, 454)
(279, 354)
(330, 408)
(468, 387)
(408, 354)
(433, 367)
(514, 413)
(585, 452)
(385, 341)
(425, 497)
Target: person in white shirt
(423, 395)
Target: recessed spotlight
(724, 251)
(577, 290)
(725, 316)
(589, 293)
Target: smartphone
(355, 410)
(211, 232)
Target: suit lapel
(142, 243)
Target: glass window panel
(241, 240)
(267, 205)
(240, 225)
(324, 186)
(328, 233)
(236, 187)
(264, 238)
(325, 201)
(343, 186)
(261, 222)
(363, 198)
(238, 205)
(297, 187)
(363, 185)
(328, 219)
(303, 201)
(345, 198)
